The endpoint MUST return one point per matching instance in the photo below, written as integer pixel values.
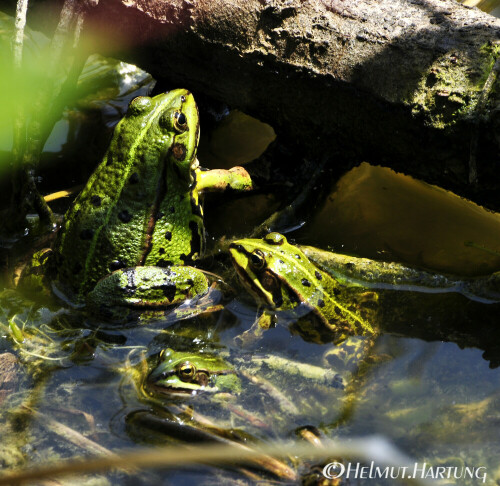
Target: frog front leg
(219, 180)
(145, 288)
(251, 336)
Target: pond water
(426, 383)
(73, 385)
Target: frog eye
(139, 105)
(186, 371)
(180, 122)
(257, 260)
(174, 121)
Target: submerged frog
(181, 373)
(280, 276)
(139, 220)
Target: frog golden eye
(139, 105)
(186, 371)
(257, 260)
(180, 122)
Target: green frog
(182, 373)
(281, 277)
(129, 235)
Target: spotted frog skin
(281, 277)
(141, 208)
(182, 373)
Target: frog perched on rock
(139, 219)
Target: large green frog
(181, 373)
(139, 220)
(281, 277)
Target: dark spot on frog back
(318, 275)
(124, 216)
(169, 290)
(134, 178)
(96, 200)
(305, 282)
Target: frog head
(170, 123)
(281, 277)
(182, 373)
(277, 273)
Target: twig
(68, 433)
(367, 449)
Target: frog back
(111, 223)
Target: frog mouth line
(181, 392)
